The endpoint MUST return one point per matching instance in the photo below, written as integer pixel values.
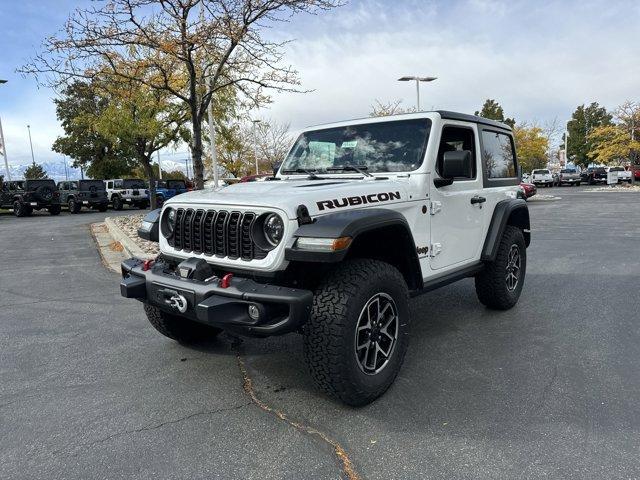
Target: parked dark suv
(25, 196)
(593, 175)
(88, 193)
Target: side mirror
(276, 167)
(149, 229)
(454, 164)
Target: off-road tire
(73, 206)
(491, 285)
(179, 328)
(20, 209)
(330, 332)
(54, 209)
(117, 202)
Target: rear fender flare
(507, 212)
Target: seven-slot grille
(216, 232)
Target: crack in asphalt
(348, 468)
(159, 425)
(547, 389)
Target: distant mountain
(56, 170)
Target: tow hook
(175, 300)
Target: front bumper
(281, 309)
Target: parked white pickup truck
(542, 178)
(623, 175)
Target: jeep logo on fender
(359, 200)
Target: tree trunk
(148, 170)
(196, 153)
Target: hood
(319, 196)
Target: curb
(129, 245)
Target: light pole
(212, 138)
(3, 146)
(566, 143)
(33, 159)
(417, 80)
(159, 165)
(255, 142)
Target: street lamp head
(415, 78)
(2, 81)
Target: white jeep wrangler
(361, 216)
(127, 191)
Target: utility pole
(66, 172)
(3, 145)
(3, 150)
(33, 159)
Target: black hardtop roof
(472, 118)
(445, 114)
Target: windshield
(616, 169)
(569, 170)
(396, 146)
(176, 184)
(133, 183)
(540, 172)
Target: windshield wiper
(311, 173)
(361, 169)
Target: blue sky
(539, 59)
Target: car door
(457, 213)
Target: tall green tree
(611, 144)
(76, 109)
(140, 120)
(493, 111)
(583, 121)
(532, 146)
(35, 172)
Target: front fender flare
(343, 224)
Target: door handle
(477, 199)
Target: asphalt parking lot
(549, 389)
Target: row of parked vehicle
(570, 176)
(25, 196)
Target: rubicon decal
(359, 200)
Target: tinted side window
(456, 138)
(498, 156)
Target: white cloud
(539, 60)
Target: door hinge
(434, 207)
(435, 249)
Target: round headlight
(273, 228)
(170, 223)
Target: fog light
(254, 312)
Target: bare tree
(628, 114)
(273, 142)
(195, 49)
(393, 107)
